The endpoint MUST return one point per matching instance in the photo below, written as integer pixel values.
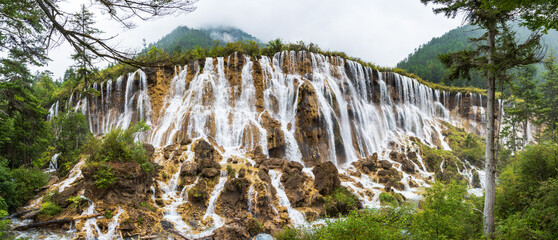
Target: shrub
(4, 224)
(50, 208)
(17, 186)
(287, 234)
(527, 194)
(446, 214)
(384, 223)
(119, 145)
(341, 202)
(108, 214)
(104, 176)
(77, 201)
(387, 199)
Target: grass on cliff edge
(158, 57)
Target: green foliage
(446, 214)
(549, 102)
(231, 171)
(340, 202)
(287, 234)
(44, 88)
(104, 177)
(148, 206)
(386, 199)
(70, 134)
(50, 208)
(527, 194)
(77, 201)
(384, 223)
(108, 214)
(4, 223)
(24, 134)
(17, 186)
(118, 145)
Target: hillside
(184, 38)
(425, 63)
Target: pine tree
(84, 57)
(549, 102)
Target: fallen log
(55, 221)
(17, 214)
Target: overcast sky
(378, 31)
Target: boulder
(275, 136)
(209, 172)
(149, 149)
(326, 177)
(293, 182)
(368, 164)
(61, 198)
(234, 197)
(385, 164)
(310, 133)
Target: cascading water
(241, 103)
(296, 217)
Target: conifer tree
(84, 25)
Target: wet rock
(234, 197)
(293, 182)
(476, 180)
(149, 149)
(242, 173)
(368, 164)
(61, 198)
(127, 225)
(209, 172)
(408, 167)
(189, 169)
(185, 141)
(385, 164)
(310, 134)
(272, 163)
(131, 185)
(326, 178)
(206, 155)
(264, 175)
(235, 228)
(413, 184)
(275, 136)
(199, 193)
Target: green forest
(424, 60)
(526, 190)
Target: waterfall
(296, 217)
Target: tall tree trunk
(490, 162)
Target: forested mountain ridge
(424, 60)
(183, 38)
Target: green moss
(148, 206)
(108, 214)
(231, 171)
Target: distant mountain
(425, 63)
(184, 38)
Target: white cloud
(378, 31)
